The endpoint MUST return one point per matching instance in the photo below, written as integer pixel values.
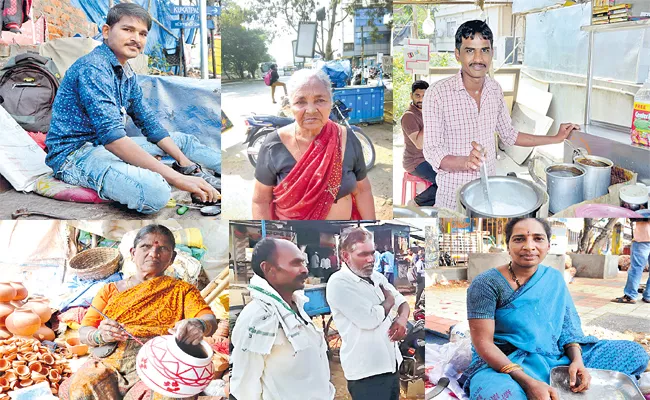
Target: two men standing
(280, 354)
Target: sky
(280, 48)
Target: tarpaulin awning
(158, 9)
(187, 105)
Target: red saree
(309, 190)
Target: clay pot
(4, 365)
(38, 377)
(35, 366)
(4, 384)
(5, 309)
(44, 333)
(157, 361)
(10, 376)
(23, 322)
(75, 346)
(41, 306)
(7, 292)
(21, 291)
(47, 359)
(17, 303)
(26, 383)
(22, 371)
(5, 334)
(54, 376)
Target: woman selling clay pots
(313, 168)
(147, 305)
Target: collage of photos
(325, 199)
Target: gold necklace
(512, 274)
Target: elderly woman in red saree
(148, 304)
(312, 169)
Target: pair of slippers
(628, 300)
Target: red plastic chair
(414, 180)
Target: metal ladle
(486, 185)
(576, 150)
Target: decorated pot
(41, 306)
(23, 322)
(173, 370)
(21, 291)
(7, 292)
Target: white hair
(302, 77)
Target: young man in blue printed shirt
(87, 140)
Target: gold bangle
(513, 369)
(506, 369)
(577, 345)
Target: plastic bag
(459, 331)
(21, 160)
(338, 71)
(449, 360)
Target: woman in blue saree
(523, 323)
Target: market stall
(602, 169)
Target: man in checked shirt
(461, 114)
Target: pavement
(242, 98)
(592, 297)
(12, 200)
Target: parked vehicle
(412, 348)
(258, 126)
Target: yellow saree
(147, 310)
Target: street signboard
(187, 24)
(211, 10)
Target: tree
(587, 244)
(292, 12)
(605, 235)
(586, 235)
(243, 49)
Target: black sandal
(624, 300)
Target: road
(240, 99)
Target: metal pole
(214, 56)
(182, 46)
(590, 71)
(204, 35)
(363, 61)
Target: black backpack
(28, 85)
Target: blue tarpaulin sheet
(187, 105)
(338, 71)
(159, 9)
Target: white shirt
(325, 263)
(282, 374)
(366, 349)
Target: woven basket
(96, 264)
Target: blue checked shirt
(91, 106)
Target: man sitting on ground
(87, 140)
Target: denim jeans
(639, 257)
(138, 188)
(428, 196)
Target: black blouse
(274, 163)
